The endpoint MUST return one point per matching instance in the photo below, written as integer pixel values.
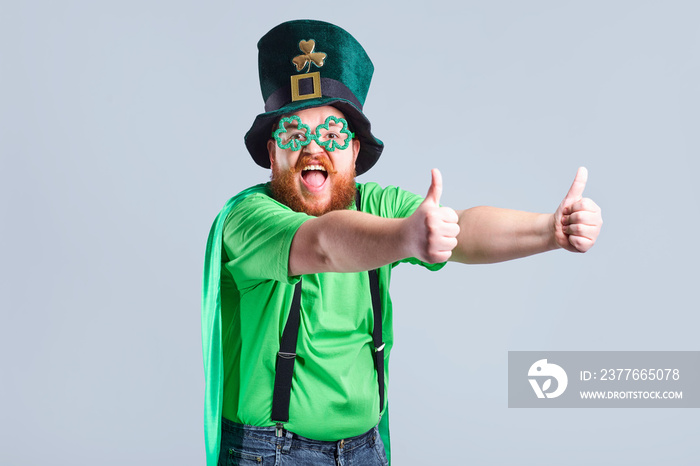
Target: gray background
(121, 136)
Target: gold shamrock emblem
(309, 56)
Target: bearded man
(296, 316)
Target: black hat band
(306, 89)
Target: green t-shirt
(334, 388)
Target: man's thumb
(435, 190)
(576, 190)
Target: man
(296, 331)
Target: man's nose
(312, 147)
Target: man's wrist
(404, 238)
(549, 232)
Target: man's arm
(351, 241)
(490, 234)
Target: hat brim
(370, 147)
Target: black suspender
(377, 334)
(377, 313)
(285, 357)
(285, 360)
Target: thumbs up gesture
(577, 220)
(432, 230)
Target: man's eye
(299, 136)
(326, 135)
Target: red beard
(284, 186)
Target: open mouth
(314, 177)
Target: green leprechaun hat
(305, 64)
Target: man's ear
(271, 151)
(355, 149)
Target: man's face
(313, 179)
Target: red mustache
(309, 160)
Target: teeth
(315, 167)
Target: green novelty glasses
(331, 135)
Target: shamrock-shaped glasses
(331, 135)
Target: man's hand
(432, 230)
(577, 220)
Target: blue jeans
(250, 445)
